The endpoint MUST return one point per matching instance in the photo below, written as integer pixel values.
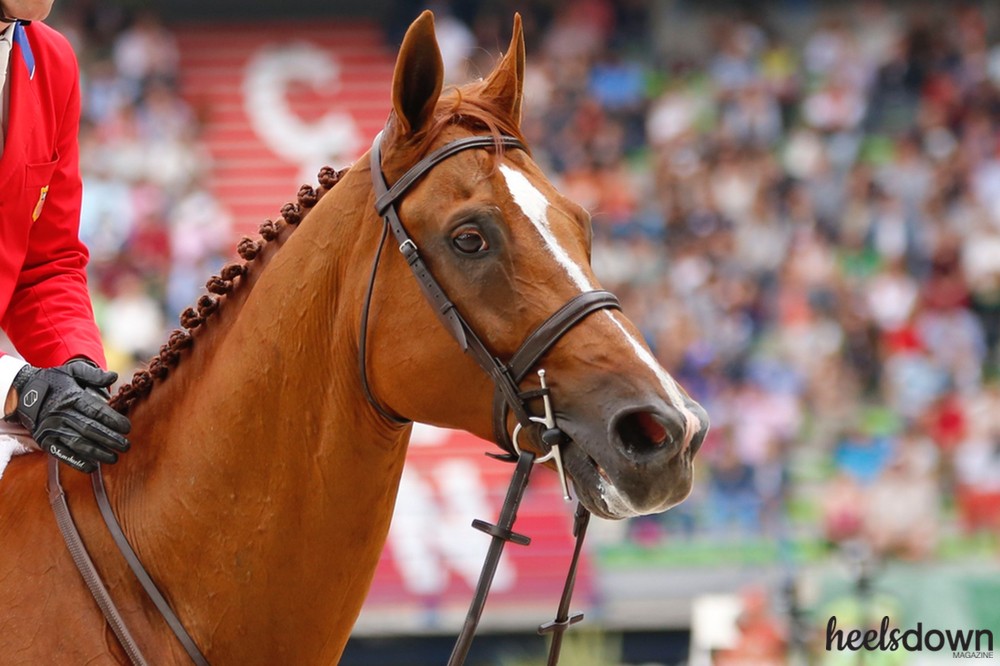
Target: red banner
(433, 556)
(281, 99)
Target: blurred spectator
(733, 502)
(863, 456)
(133, 320)
(761, 635)
(140, 156)
(902, 505)
(200, 240)
(842, 509)
(145, 53)
(456, 42)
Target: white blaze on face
(535, 207)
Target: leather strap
(443, 307)
(385, 200)
(564, 620)
(537, 343)
(57, 498)
(387, 197)
(363, 337)
(552, 329)
(501, 533)
(506, 379)
(135, 564)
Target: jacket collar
(23, 107)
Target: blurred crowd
(153, 229)
(804, 219)
(804, 222)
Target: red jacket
(44, 303)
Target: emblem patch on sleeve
(41, 202)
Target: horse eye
(470, 242)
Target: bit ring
(517, 431)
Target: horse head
(509, 250)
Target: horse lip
(600, 471)
(591, 482)
(596, 488)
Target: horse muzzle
(639, 463)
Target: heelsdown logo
(962, 643)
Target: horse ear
(506, 83)
(419, 74)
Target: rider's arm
(9, 367)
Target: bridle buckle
(407, 247)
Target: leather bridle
(508, 396)
(506, 377)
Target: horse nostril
(651, 428)
(644, 432)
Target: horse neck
(259, 457)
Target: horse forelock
(230, 279)
(466, 106)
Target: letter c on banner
(270, 73)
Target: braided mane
(219, 286)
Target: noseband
(506, 377)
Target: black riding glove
(67, 413)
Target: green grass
(710, 553)
(962, 547)
(763, 551)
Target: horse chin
(608, 497)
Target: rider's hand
(66, 411)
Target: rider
(58, 392)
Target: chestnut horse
(261, 482)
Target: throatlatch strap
(363, 337)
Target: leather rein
(508, 398)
